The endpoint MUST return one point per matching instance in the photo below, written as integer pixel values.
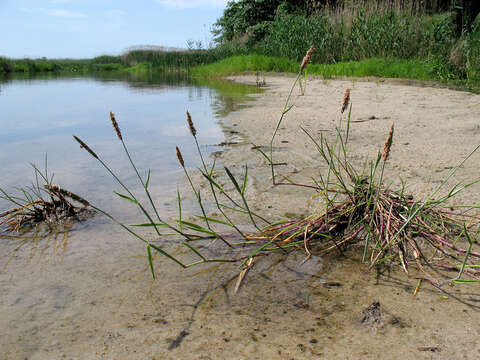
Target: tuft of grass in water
(41, 203)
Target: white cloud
(184, 4)
(65, 13)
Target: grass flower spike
(388, 144)
(115, 125)
(180, 157)
(346, 100)
(306, 59)
(190, 125)
(85, 146)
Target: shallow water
(88, 293)
(39, 116)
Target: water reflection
(35, 244)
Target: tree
(466, 13)
(250, 19)
(244, 16)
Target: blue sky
(87, 28)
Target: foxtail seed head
(190, 124)
(180, 157)
(388, 144)
(306, 59)
(115, 125)
(346, 100)
(85, 146)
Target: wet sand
(96, 300)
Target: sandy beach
(112, 310)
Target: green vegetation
(247, 63)
(179, 59)
(101, 63)
(251, 19)
(353, 35)
(392, 68)
(401, 39)
(362, 38)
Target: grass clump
(390, 227)
(42, 204)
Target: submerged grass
(390, 227)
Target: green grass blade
(179, 210)
(257, 250)
(213, 220)
(232, 178)
(348, 123)
(148, 180)
(244, 187)
(167, 255)
(195, 251)
(465, 281)
(288, 109)
(151, 225)
(198, 228)
(467, 254)
(125, 197)
(235, 183)
(259, 149)
(150, 261)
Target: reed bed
(360, 212)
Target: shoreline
(412, 71)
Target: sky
(88, 28)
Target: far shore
(205, 65)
